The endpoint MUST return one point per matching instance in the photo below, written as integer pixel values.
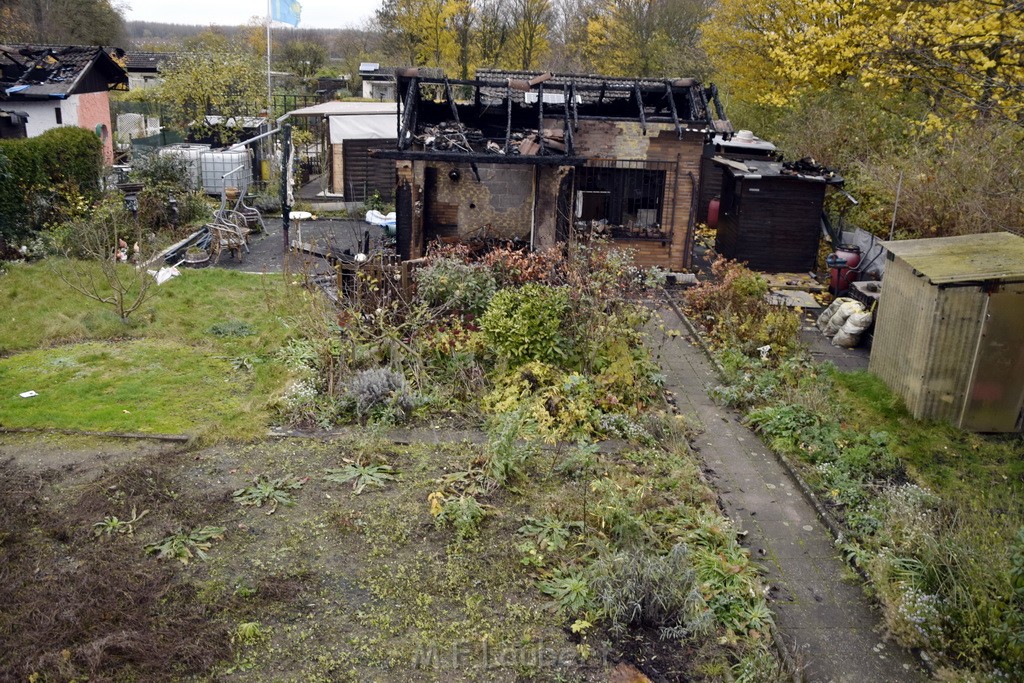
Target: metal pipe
(258, 137)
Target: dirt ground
(336, 587)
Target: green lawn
(197, 358)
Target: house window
(57, 115)
(623, 198)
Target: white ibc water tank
(191, 153)
(215, 164)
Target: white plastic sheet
(363, 127)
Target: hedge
(31, 167)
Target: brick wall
(499, 205)
(626, 140)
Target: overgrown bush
(164, 177)
(733, 309)
(60, 157)
(525, 324)
(460, 287)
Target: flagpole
(270, 92)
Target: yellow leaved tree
(965, 56)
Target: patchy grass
(341, 586)
(133, 386)
(40, 310)
(956, 462)
(932, 514)
(194, 360)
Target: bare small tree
(105, 256)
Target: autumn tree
(212, 75)
(62, 22)
(570, 19)
(965, 56)
(531, 21)
(304, 58)
(647, 37)
(494, 31)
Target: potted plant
(196, 257)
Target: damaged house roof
(36, 72)
(518, 117)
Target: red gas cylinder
(713, 212)
(842, 267)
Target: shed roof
(760, 168)
(965, 258)
(145, 62)
(338, 108)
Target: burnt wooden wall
(772, 223)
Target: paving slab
(830, 626)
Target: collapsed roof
(529, 117)
(34, 72)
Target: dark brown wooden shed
(743, 145)
(770, 218)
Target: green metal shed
(949, 331)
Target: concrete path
(828, 624)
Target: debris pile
(449, 136)
(453, 136)
(808, 167)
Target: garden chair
(228, 232)
(253, 218)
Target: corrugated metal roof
(966, 258)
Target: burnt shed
(536, 157)
(770, 215)
(949, 332)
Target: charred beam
(567, 126)
(640, 104)
(508, 117)
(478, 158)
(672, 106)
(405, 131)
(575, 111)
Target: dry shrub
(83, 609)
(969, 182)
(733, 309)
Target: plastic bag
(839, 318)
(830, 311)
(852, 330)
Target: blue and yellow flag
(285, 11)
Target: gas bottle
(713, 206)
(842, 265)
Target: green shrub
(65, 156)
(525, 324)
(733, 309)
(636, 588)
(459, 286)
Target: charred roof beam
(672, 106)
(640, 105)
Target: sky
(315, 13)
